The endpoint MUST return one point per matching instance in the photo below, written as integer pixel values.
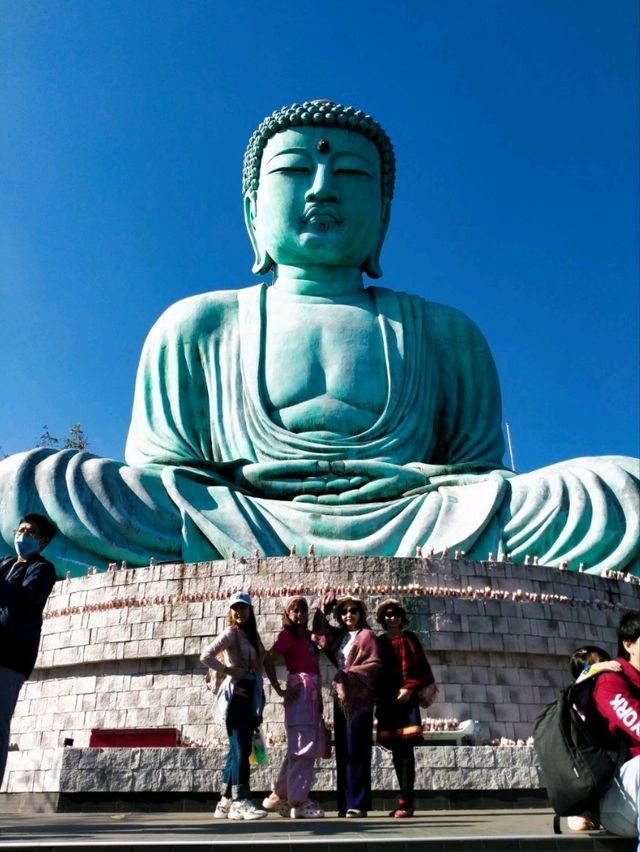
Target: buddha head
(318, 182)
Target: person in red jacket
(616, 697)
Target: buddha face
(319, 199)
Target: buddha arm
(469, 420)
(176, 410)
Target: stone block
(137, 717)
(142, 630)
(176, 716)
(173, 646)
(521, 696)
(479, 779)
(474, 757)
(68, 656)
(165, 629)
(499, 624)
(153, 613)
(150, 648)
(21, 781)
(474, 692)
(482, 624)
(437, 757)
(94, 653)
(68, 722)
(507, 712)
(481, 674)
(487, 642)
(496, 694)
(49, 741)
(447, 779)
(30, 743)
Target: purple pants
(303, 717)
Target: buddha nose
(322, 187)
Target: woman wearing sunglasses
(353, 647)
(405, 670)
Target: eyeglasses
(352, 610)
(392, 613)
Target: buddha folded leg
(104, 510)
(583, 510)
(231, 522)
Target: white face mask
(26, 545)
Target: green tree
(47, 439)
(76, 439)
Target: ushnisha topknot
(320, 113)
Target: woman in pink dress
(303, 713)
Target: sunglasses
(393, 613)
(352, 610)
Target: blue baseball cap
(240, 598)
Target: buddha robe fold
(199, 414)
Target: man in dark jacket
(617, 699)
(26, 581)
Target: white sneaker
(245, 809)
(222, 808)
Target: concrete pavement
(513, 830)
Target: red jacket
(617, 698)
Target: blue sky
(515, 124)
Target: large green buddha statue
(315, 410)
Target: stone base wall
(199, 770)
(121, 649)
(129, 771)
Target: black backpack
(577, 762)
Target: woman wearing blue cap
(237, 654)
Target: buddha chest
(324, 365)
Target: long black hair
(250, 627)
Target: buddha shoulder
(443, 323)
(451, 326)
(195, 317)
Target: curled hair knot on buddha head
(318, 114)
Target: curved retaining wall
(121, 649)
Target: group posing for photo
(364, 662)
(388, 677)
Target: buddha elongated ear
(263, 263)
(371, 266)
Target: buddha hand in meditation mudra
(316, 411)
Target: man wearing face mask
(26, 581)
